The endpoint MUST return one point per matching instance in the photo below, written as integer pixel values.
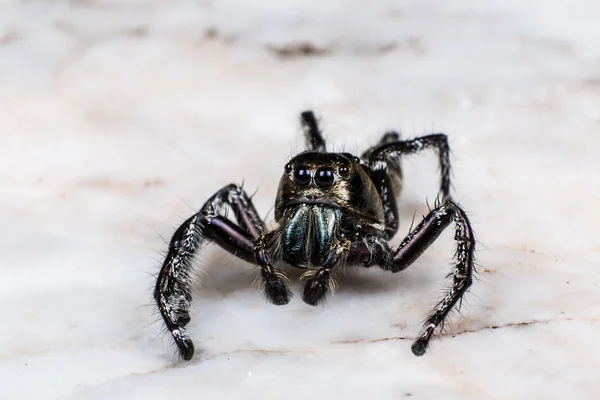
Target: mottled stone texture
(119, 118)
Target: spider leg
(382, 156)
(310, 126)
(377, 252)
(389, 137)
(387, 187)
(173, 290)
(394, 170)
(321, 280)
(388, 182)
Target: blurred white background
(119, 118)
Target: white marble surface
(119, 118)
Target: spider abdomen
(308, 234)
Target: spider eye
(344, 170)
(324, 177)
(288, 168)
(302, 176)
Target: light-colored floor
(118, 121)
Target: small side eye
(344, 170)
(288, 168)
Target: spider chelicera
(332, 210)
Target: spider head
(334, 179)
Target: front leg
(375, 251)
(173, 291)
(462, 275)
(273, 279)
(321, 280)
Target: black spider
(333, 209)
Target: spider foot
(275, 287)
(184, 344)
(316, 288)
(419, 347)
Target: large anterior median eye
(324, 177)
(302, 176)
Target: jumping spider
(333, 210)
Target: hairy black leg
(462, 274)
(379, 157)
(394, 168)
(234, 197)
(321, 280)
(418, 240)
(273, 279)
(389, 137)
(173, 287)
(173, 291)
(388, 181)
(314, 138)
(385, 187)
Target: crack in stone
(262, 351)
(368, 341)
(385, 339)
(483, 328)
(314, 350)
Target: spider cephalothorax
(321, 198)
(332, 210)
